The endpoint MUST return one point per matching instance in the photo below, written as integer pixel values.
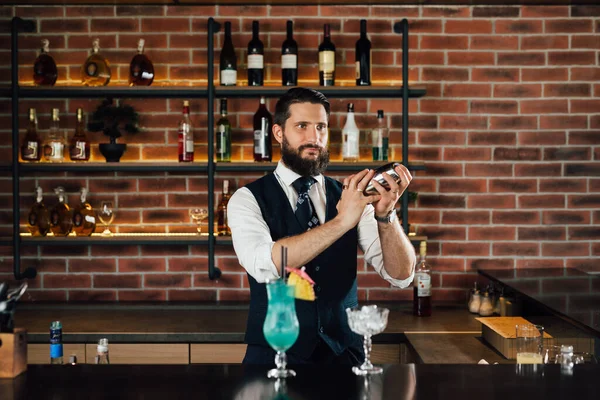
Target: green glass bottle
(223, 139)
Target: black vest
(334, 273)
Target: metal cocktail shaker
(389, 169)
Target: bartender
(321, 222)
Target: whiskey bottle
(31, 148)
(44, 67)
(350, 137)
(263, 122)
(79, 146)
(95, 71)
(223, 139)
(186, 135)
(84, 217)
(422, 285)
(38, 220)
(141, 69)
(222, 226)
(61, 222)
(54, 146)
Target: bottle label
(33, 217)
(78, 151)
(423, 282)
(56, 350)
(90, 218)
(255, 61)
(259, 143)
(54, 151)
(327, 61)
(31, 151)
(92, 69)
(358, 70)
(221, 140)
(56, 336)
(228, 77)
(289, 61)
(350, 145)
(77, 219)
(189, 145)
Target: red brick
(568, 25)
(585, 42)
(441, 201)
(444, 74)
(463, 186)
(491, 138)
(494, 43)
(585, 74)
(167, 280)
(467, 154)
(94, 265)
(115, 25)
(444, 42)
(229, 280)
(542, 201)
(495, 75)
(525, 59)
(563, 122)
(584, 233)
(585, 106)
(424, 216)
(66, 281)
(516, 217)
(543, 233)
(445, 106)
(585, 11)
(544, 74)
(517, 90)
(495, 12)
(540, 263)
(596, 249)
(234, 295)
(443, 169)
(492, 233)
(568, 153)
(209, 295)
(571, 58)
(140, 11)
(462, 217)
(423, 26)
(493, 107)
(470, 250)
(447, 12)
(537, 170)
(568, 90)
(544, 42)
(65, 25)
(142, 295)
(491, 169)
(92, 295)
(519, 26)
(463, 122)
(371, 280)
(117, 281)
(516, 249)
(584, 137)
(463, 281)
(544, 11)
(517, 153)
(194, 10)
(566, 217)
(542, 138)
(491, 201)
(468, 27)
(424, 58)
(513, 185)
(513, 122)
(441, 138)
(544, 106)
(469, 90)
(142, 265)
(197, 264)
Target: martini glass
(199, 215)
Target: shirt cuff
(401, 283)
(265, 267)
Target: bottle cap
(186, 103)
(350, 107)
(379, 113)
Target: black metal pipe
(405, 90)
(213, 272)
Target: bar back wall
(509, 131)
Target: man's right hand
(353, 201)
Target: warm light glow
(133, 234)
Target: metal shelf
(114, 167)
(328, 91)
(333, 167)
(130, 239)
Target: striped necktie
(305, 212)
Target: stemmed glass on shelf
(106, 215)
(198, 215)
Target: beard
(303, 166)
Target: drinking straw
(283, 262)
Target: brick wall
(509, 131)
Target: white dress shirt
(252, 240)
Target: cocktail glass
(199, 215)
(281, 327)
(367, 321)
(106, 214)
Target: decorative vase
(112, 151)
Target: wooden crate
(13, 353)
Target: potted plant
(113, 120)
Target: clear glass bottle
(56, 343)
(350, 137)
(79, 145)
(44, 67)
(223, 133)
(422, 285)
(102, 352)
(380, 139)
(186, 136)
(31, 148)
(61, 222)
(263, 122)
(222, 226)
(141, 69)
(95, 71)
(84, 216)
(54, 146)
(38, 220)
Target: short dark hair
(298, 95)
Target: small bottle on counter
(486, 308)
(102, 352)
(56, 344)
(422, 285)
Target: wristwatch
(389, 218)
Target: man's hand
(388, 198)
(353, 201)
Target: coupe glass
(367, 321)
(106, 215)
(281, 327)
(199, 215)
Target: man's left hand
(388, 199)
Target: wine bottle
(350, 137)
(38, 220)
(54, 146)
(95, 71)
(44, 67)
(327, 59)
(263, 121)
(31, 148)
(363, 57)
(223, 139)
(380, 139)
(141, 69)
(84, 217)
(422, 285)
(228, 60)
(79, 146)
(289, 58)
(61, 222)
(222, 226)
(186, 136)
(255, 58)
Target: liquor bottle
(222, 226)
(228, 60)
(223, 140)
(363, 57)
(102, 352)
(289, 58)
(61, 222)
(44, 67)
(38, 220)
(263, 122)
(186, 135)
(31, 148)
(256, 65)
(56, 343)
(327, 59)
(84, 217)
(79, 145)
(380, 139)
(95, 71)
(350, 137)
(141, 69)
(54, 146)
(422, 285)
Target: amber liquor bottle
(31, 148)
(44, 67)
(38, 220)
(61, 222)
(95, 71)
(84, 217)
(79, 146)
(141, 69)
(422, 285)
(222, 226)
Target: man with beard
(320, 221)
